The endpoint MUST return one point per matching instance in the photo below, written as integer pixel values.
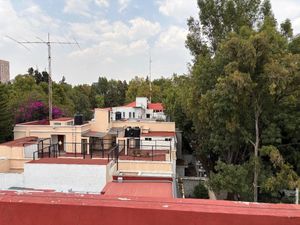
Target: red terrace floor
(70, 209)
(139, 189)
(71, 161)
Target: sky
(116, 37)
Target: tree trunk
(256, 146)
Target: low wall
(189, 184)
(4, 165)
(63, 209)
(8, 180)
(145, 166)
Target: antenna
(150, 74)
(48, 43)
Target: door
(61, 142)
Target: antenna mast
(48, 43)
(150, 74)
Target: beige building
(4, 71)
(144, 147)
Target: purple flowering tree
(35, 110)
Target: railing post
(83, 147)
(118, 156)
(170, 151)
(102, 147)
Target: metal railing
(108, 149)
(75, 149)
(146, 152)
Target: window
(57, 124)
(129, 114)
(148, 116)
(123, 114)
(133, 114)
(168, 139)
(148, 139)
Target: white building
(141, 109)
(4, 71)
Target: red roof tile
(131, 104)
(37, 122)
(156, 106)
(139, 189)
(21, 141)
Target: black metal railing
(146, 152)
(107, 149)
(83, 149)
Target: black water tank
(136, 132)
(78, 119)
(118, 115)
(129, 132)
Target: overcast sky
(115, 36)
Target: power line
(48, 43)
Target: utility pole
(48, 43)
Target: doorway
(61, 142)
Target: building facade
(141, 109)
(4, 71)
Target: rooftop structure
(68, 155)
(140, 109)
(4, 71)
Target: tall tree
(238, 86)
(5, 115)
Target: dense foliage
(245, 95)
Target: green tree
(244, 87)
(5, 115)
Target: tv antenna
(48, 43)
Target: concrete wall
(158, 143)
(65, 177)
(15, 158)
(8, 180)
(71, 134)
(145, 166)
(4, 71)
(101, 121)
(4, 165)
(68, 209)
(147, 125)
(189, 184)
(138, 112)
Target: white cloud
(179, 9)
(287, 9)
(82, 7)
(173, 38)
(123, 4)
(102, 3)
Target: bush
(201, 191)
